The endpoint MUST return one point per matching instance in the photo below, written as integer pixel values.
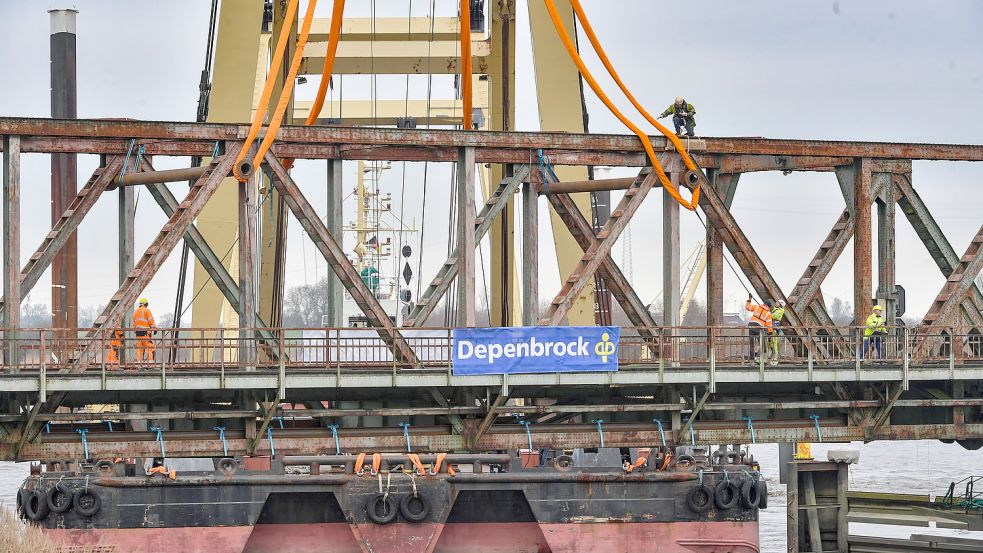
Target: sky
(903, 71)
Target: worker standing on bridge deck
(115, 347)
(144, 322)
(874, 332)
(683, 115)
(761, 322)
(775, 342)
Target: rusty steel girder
(314, 441)
(69, 222)
(334, 254)
(521, 143)
(599, 249)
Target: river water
(923, 467)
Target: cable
(285, 94)
(646, 143)
(264, 99)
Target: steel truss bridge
(389, 388)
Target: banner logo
(535, 349)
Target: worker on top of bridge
(761, 322)
(874, 332)
(683, 115)
(143, 321)
(775, 342)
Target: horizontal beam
(384, 112)
(354, 138)
(387, 28)
(499, 437)
(396, 58)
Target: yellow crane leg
(272, 216)
(560, 100)
(504, 304)
(237, 49)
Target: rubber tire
(21, 501)
(694, 492)
(762, 493)
(404, 508)
(721, 490)
(61, 491)
(749, 494)
(227, 466)
(92, 508)
(36, 506)
(380, 499)
(105, 467)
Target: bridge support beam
(11, 248)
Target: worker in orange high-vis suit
(143, 322)
(761, 322)
(115, 347)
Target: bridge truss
(393, 388)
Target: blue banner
(535, 349)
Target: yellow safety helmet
(143, 301)
(878, 308)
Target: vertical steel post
(886, 217)
(64, 267)
(726, 186)
(11, 249)
(466, 311)
(335, 223)
(530, 255)
(127, 216)
(670, 259)
(862, 279)
(247, 273)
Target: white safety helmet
(679, 99)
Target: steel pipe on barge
(158, 177)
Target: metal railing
(337, 349)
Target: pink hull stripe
(158, 540)
(508, 537)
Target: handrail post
(102, 345)
(43, 378)
(713, 360)
(163, 358)
(810, 358)
(761, 353)
(857, 349)
(952, 353)
(662, 357)
(282, 373)
(905, 362)
(450, 355)
(221, 358)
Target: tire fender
(59, 498)
(749, 494)
(381, 509)
(86, 502)
(726, 495)
(762, 493)
(409, 502)
(699, 498)
(36, 506)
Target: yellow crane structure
(247, 29)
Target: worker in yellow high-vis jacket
(875, 330)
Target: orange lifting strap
(415, 459)
(359, 463)
(264, 100)
(465, 26)
(646, 143)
